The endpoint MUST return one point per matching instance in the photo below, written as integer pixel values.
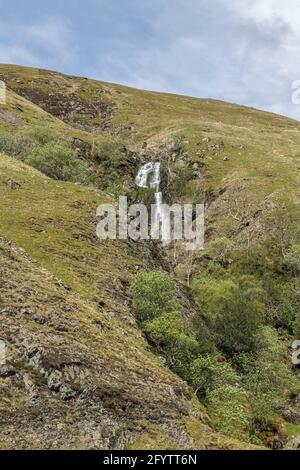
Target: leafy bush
(282, 301)
(209, 372)
(167, 333)
(218, 385)
(155, 304)
(21, 145)
(110, 167)
(40, 132)
(57, 161)
(203, 335)
(235, 311)
(154, 293)
(230, 411)
(212, 294)
(238, 324)
(110, 153)
(269, 377)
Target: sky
(242, 51)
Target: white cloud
(269, 11)
(243, 51)
(11, 54)
(53, 35)
(45, 44)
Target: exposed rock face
(74, 388)
(59, 98)
(69, 378)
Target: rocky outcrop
(71, 379)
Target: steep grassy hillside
(75, 345)
(75, 353)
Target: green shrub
(57, 161)
(203, 335)
(212, 294)
(154, 293)
(40, 132)
(234, 311)
(209, 372)
(230, 411)
(269, 377)
(111, 169)
(238, 324)
(167, 334)
(282, 300)
(156, 305)
(110, 153)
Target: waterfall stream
(149, 177)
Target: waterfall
(155, 182)
(149, 177)
(142, 178)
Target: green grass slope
(243, 163)
(79, 373)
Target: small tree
(167, 333)
(238, 325)
(154, 293)
(209, 372)
(155, 303)
(218, 385)
(57, 161)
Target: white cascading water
(142, 178)
(149, 177)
